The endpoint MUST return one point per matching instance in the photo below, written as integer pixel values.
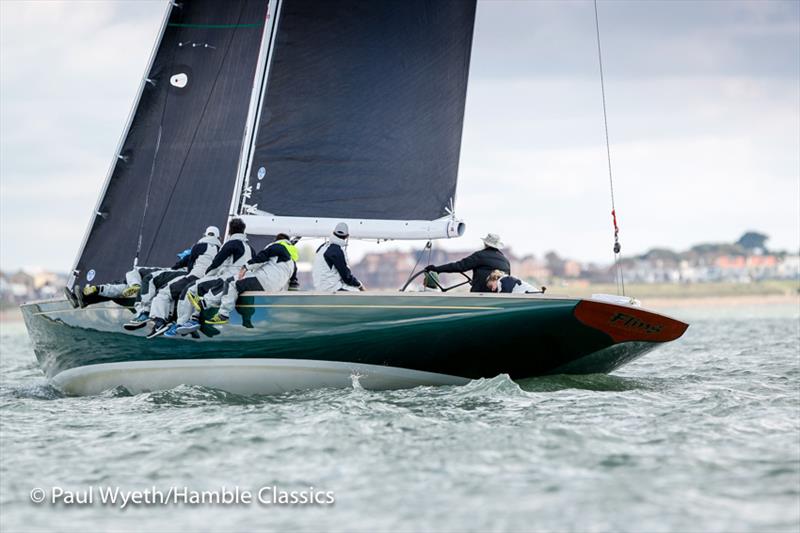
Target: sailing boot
(79, 296)
(131, 291)
(217, 320)
(89, 290)
(71, 298)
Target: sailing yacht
(295, 115)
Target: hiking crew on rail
(210, 275)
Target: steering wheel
(436, 281)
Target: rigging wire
(429, 248)
(147, 193)
(617, 247)
(430, 251)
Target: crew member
(482, 263)
(196, 264)
(499, 281)
(141, 283)
(269, 270)
(151, 283)
(331, 272)
(225, 267)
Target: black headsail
(177, 167)
(362, 114)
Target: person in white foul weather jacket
(331, 272)
(269, 270)
(197, 262)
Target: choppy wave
(38, 391)
(591, 382)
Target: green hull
(468, 336)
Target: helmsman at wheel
(481, 263)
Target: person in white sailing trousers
(269, 270)
(141, 283)
(331, 272)
(198, 260)
(225, 267)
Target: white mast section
(117, 153)
(256, 99)
(261, 223)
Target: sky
(703, 115)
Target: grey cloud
(640, 39)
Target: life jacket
(291, 248)
(274, 273)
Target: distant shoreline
(722, 301)
(12, 314)
(684, 290)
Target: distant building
(531, 269)
(21, 287)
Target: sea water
(700, 435)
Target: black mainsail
(177, 166)
(362, 115)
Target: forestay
(361, 119)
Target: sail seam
(216, 26)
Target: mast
(117, 152)
(256, 100)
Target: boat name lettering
(628, 321)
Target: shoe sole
(159, 331)
(131, 326)
(71, 298)
(79, 297)
(187, 330)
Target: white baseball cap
(212, 231)
(341, 230)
